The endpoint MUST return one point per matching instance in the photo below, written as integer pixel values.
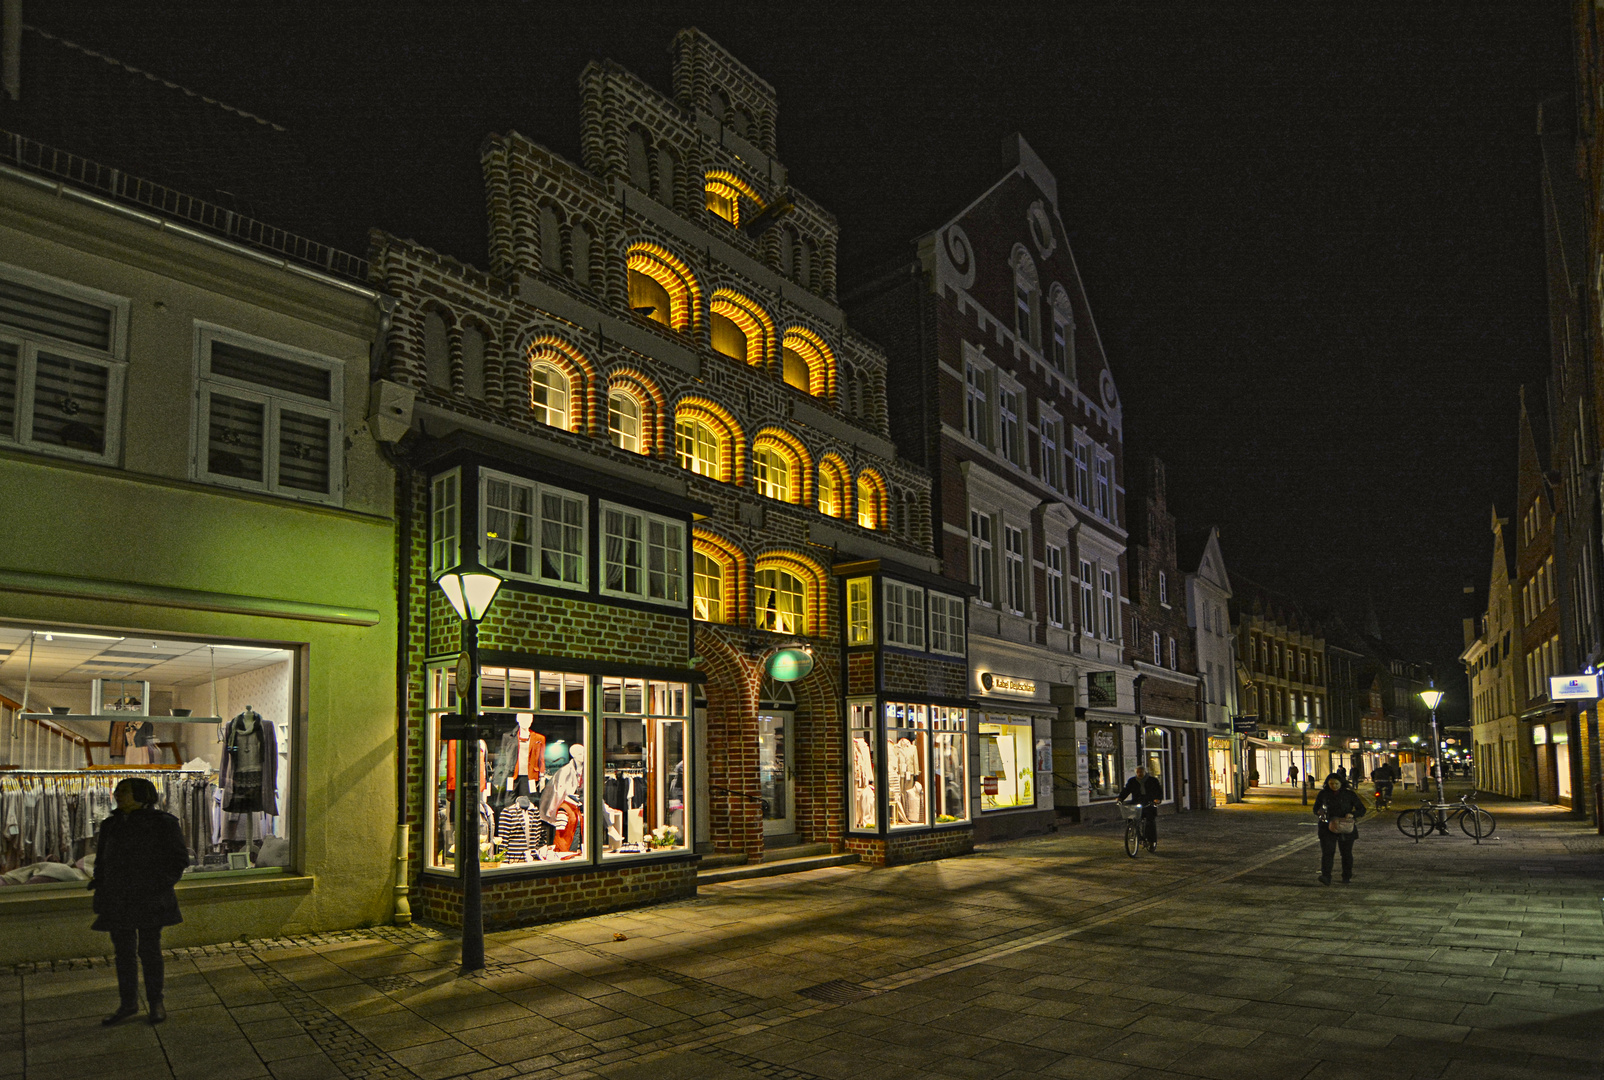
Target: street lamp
(1303, 729)
(470, 589)
(1432, 698)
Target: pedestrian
(139, 857)
(1292, 775)
(1342, 773)
(1338, 811)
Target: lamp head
(1414, 738)
(1302, 726)
(469, 591)
(1431, 698)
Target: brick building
(1160, 647)
(1011, 406)
(650, 417)
(1283, 661)
(1492, 659)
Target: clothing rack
(105, 770)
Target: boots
(158, 1012)
(124, 1011)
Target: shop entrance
(776, 774)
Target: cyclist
(1145, 791)
(1337, 809)
(1385, 775)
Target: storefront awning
(1107, 716)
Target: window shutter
(303, 451)
(274, 372)
(40, 312)
(69, 403)
(236, 432)
(10, 360)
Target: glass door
(775, 773)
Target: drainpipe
(11, 48)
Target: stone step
(771, 869)
(719, 862)
(795, 851)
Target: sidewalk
(1056, 956)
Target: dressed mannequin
(520, 761)
(249, 776)
(559, 799)
(863, 783)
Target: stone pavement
(1219, 957)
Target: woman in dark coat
(1337, 803)
(139, 857)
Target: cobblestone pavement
(1221, 956)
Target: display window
(643, 766)
(1156, 756)
(1007, 775)
(865, 807)
(907, 763)
(208, 724)
(949, 789)
(1103, 772)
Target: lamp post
(470, 591)
(1432, 698)
(1303, 754)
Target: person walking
(1338, 811)
(1146, 792)
(139, 857)
(1342, 774)
(1292, 775)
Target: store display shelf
(113, 718)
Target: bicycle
(1436, 817)
(1134, 840)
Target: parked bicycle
(1436, 817)
(1135, 838)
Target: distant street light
(1303, 729)
(1432, 698)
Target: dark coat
(139, 857)
(1334, 804)
(1146, 789)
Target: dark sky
(1310, 233)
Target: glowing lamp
(1431, 698)
(1302, 726)
(789, 664)
(470, 591)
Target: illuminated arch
(553, 353)
(731, 451)
(784, 447)
(654, 432)
(835, 487)
(655, 274)
(747, 316)
(723, 191)
(802, 344)
(870, 498)
(769, 611)
(733, 578)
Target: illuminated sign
(789, 665)
(993, 683)
(1573, 688)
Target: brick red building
(649, 415)
(1011, 406)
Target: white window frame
(1158, 650)
(904, 607)
(714, 606)
(537, 490)
(1051, 437)
(979, 395)
(860, 611)
(673, 583)
(1110, 595)
(763, 481)
(1055, 586)
(543, 411)
(946, 624)
(1088, 599)
(273, 402)
(1103, 487)
(1083, 472)
(1016, 588)
(445, 521)
(803, 617)
(695, 462)
(625, 440)
(982, 557)
(1163, 588)
(1175, 656)
(1010, 432)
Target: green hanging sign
(789, 665)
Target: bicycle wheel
(1414, 823)
(1477, 823)
(1133, 839)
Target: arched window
(436, 350)
(548, 396)
(551, 239)
(661, 287)
(707, 588)
(580, 240)
(832, 489)
(779, 601)
(1027, 295)
(1061, 346)
(771, 473)
(637, 162)
(718, 105)
(667, 176)
(787, 243)
(870, 499)
(742, 330)
(724, 192)
(807, 363)
(473, 361)
(623, 421)
(728, 338)
(700, 448)
(740, 123)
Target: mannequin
(863, 783)
(249, 776)
(559, 799)
(139, 742)
(520, 761)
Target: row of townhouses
(784, 569)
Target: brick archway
(735, 814)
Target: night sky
(1311, 234)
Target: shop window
(982, 567)
(780, 603)
(644, 787)
(623, 421)
(445, 529)
(904, 614)
(1103, 753)
(533, 531)
(643, 556)
(1156, 756)
(907, 764)
(699, 447)
(1007, 768)
(865, 803)
(949, 792)
(1055, 585)
(860, 611)
(708, 589)
(61, 369)
(947, 624)
(548, 396)
(771, 473)
(270, 418)
(530, 796)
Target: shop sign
(992, 683)
(1539, 735)
(1103, 741)
(1573, 688)
(1245, 725)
